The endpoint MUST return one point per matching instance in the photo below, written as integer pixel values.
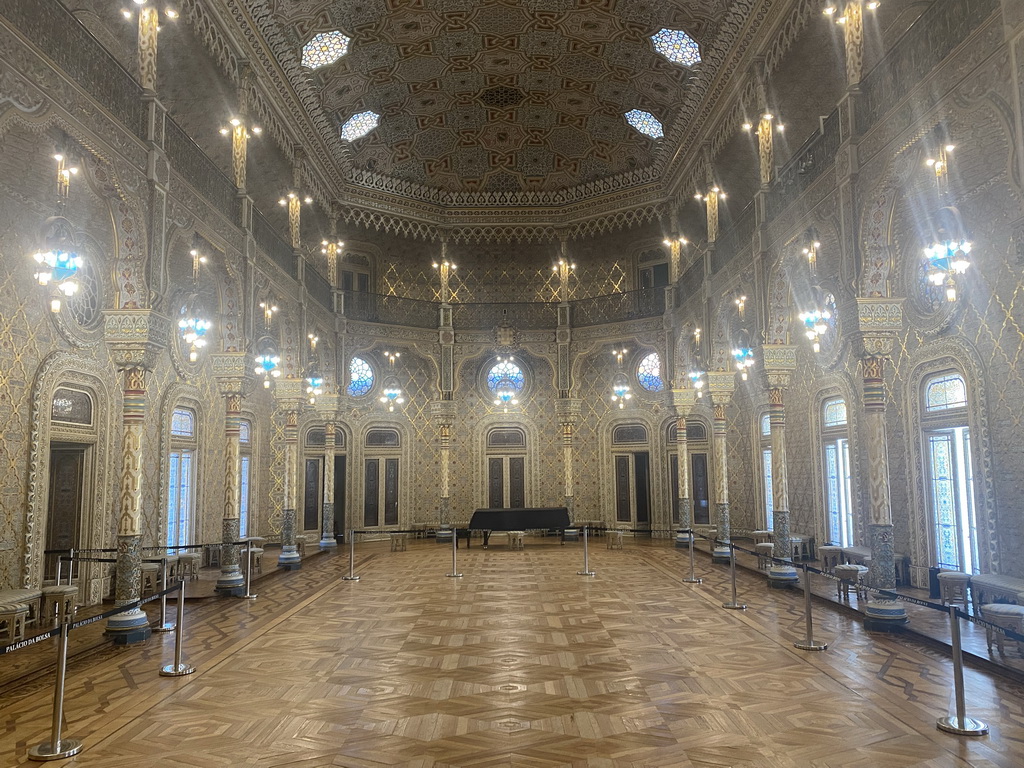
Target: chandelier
(744, 357)
(267, 366)
(57, 261)
(193, 323)
(815, 325)
(505, 391)
(946, 261)
(314, 381)
(391, 390)
(621, 390)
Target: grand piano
(512, 519)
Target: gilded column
(443, 413)
(291, 398)
(128, 333)
(683, 399)
(328, 405)
(230, 371)
(149, 22)
(853, 39)
(721, 385)
(779, 364)
(569, 411)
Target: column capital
(443, 412)
(683, 399)
(568, 409)
(327, 406)
(231, 371)
(290, 393)
(879, 320)
(721, 385)
(135, 336)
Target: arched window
(766, 468)
(648, 373)
(71, 406)
(506, 373)
(381, 478)
(360, 377)
(245, 475)
(181, 478)
(948, 469)
(836, 472)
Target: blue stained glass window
(835, 412)
(359, 125)
(645, 122)
(766, 464)
(244, 432)
(648, 373)
(243, 496)
(324, 48)
(945, 392)
(506, 373)
(766, 425)
(360, 376)
(677, 46)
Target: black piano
(524, 519)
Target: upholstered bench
(764, 550)
(989, 587)
(12, 622)
(857, 555)
(1006, 616)
(850, 575)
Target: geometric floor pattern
(521, 662)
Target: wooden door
(63, 522)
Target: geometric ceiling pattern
(500, 95)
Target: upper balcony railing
(389, 310)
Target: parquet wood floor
(519, 663)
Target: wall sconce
(391, 391)
(269, 310)
(741, 305)
(831, 9)
(621, 390)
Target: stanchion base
(735, 606)
(289, 566)
(454, 575)
(179, 670)
(693, 581)
(236, 591)
(966, 727)
(811, 646)
(350, 578)
(585, 573)
(249, 597)
(164, 628)
(45, 751)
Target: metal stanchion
(248, 572)
(586, 553)
(57, 748)
(960, 723)
(808, 644)
(177, 669)
(455, 555)
(732, 576)
(164, 625)
(351, 558)
(60, 563)
(693, 579)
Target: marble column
(683, 399)
(721, 384)
(291, 397)
(327, 404)
(130, 626)
(882, 570)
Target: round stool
(1007, 616)
(12, 622)
(300, 544)
(850, 576)
(953, 587)
(59, 602)
(615, 539)
(150, 577)
(764, 551)
(830, 557)
(398, 541)
(188, 565)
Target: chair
(398, 541)
(150, 577)
(850, 576)
(188, 565)
(763, 537)
(59, 602)
(615, 539)
(256, 553)
(12, 622)
(830, 557)
(953, 587)
(765, 550)
(1007, 616)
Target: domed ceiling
(500, 96)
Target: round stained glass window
(648, 373)
(506, 374)
(360, 377)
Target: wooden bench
(989, 587)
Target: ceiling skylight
(325, 48)
(359, 125)
(675, 45)
(645, 122)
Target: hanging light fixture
(831, 9)
(744, 357)
(391, 391)
(697, 381)
(947, 260)
(58, 263)
(506, 389)
(815, 325)
(621, 390)
(193, 323)
(269, 310)
(267, 366)
(314, 381)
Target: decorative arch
(61, 369)
(180, 395)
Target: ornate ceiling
(495, 113)
(500, 96)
